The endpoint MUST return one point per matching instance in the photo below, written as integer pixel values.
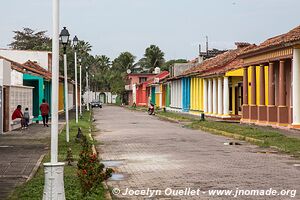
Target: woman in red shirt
(17, 114)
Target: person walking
(44, 107)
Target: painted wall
(258, 85)
(38, 92)
(186, 83)
(168, 94)
(5, 70)
(152, 95)
(196, 94)
(20, 95)
(61, 97)
(176, 94)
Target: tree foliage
(28, 39)
(153, 57)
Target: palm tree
(153, 57)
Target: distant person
(26, 117)
(44, 107)
(17, 114)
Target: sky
(176, 26)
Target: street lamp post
(54, 177)
(94, 82)
(87, 89)
(75, 43)
(64, 35)
(80, 89)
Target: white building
(103, 97)
(12, 93)
(42, 58)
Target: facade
(176, 95)
(216, 85)
(42, 58)
(196, 95)
(179, 87)
(135, 90)
(157, 90)
(103, 97)
(12, 93)
(271, 81)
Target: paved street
(20, 150)
(157, 154)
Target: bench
(16, 123)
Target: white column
(66, 97)
(54, 176)
(226, 97)
(210, 105)
(296, 87)
(205, 106)
(76, 88)
(80, 89)
(220, 96)
(215, 97)
(88, 91)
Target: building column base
(282, 116)
(253, 113)
(245, 112)
(272, 115)
(54, 181)
(295, 125)
(262, 114)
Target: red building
(132, 82)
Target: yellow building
(217, 85)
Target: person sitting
(17, 114)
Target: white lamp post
(75, 43)
(87, 89)
(80, 89)
(54, 178)
(64, 35)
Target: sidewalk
(20, 152)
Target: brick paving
(20, 150)
(157, 154)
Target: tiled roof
(221, 63)
(38, 69)
(284, 40)
(161, 76)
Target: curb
(36, 167)
(107, 193)
(219, 132)
(38, 163)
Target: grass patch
(176, 116)
(268, 136)
(33, 190)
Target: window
(142, 79)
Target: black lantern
(64, 36)
(75, 42)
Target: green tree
(28, 39)
(118, 71)
(153, 57)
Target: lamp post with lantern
(75, 43)
(80, 87)
(64, 36)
